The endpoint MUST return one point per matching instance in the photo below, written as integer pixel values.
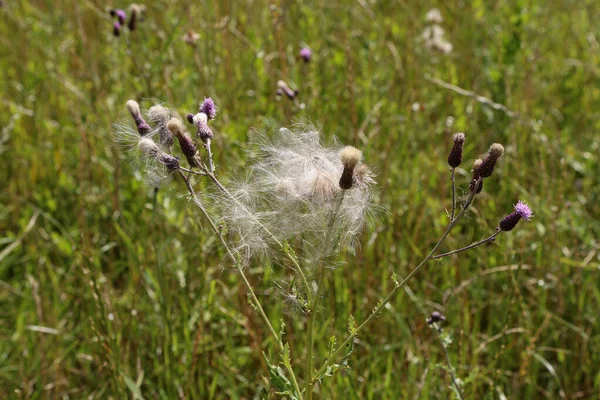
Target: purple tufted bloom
(117, 29)
(120, 14)
(522, 210)
(305, 54)
(208, 107)
(435, 317)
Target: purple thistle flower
(117, 29)
(435, 317)
(522, 210)
(121, 16)
(305, 54)
(208, 107)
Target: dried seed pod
(455, 157)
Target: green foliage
(108, 291)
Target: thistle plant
(299, 203)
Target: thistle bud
(120, 14)
(282, 87)
(435, 317)
(169, 161)
(479, 187)
(151, 150)
(136, 14)
(455, 157)
(208, 107)
(486, 167)
(305, 54)
(350, 157)
(160, 116)
(522, 210)
(134, 109)
(117, 29)
(188, 148)
(204, 132)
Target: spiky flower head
(486, 167)
(305, 54)
(455, 157)
(208, 107)
(522, 210)
(176, 127)
(350, 157)
(134, 109)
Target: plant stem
(312, 309)
(261, 311)
(471, 246)
(398, 286)
(450, 368)
(453, 196)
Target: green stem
(398, 286)
(238, 266)
(450, 368)
(453, 196)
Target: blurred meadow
(107, 293)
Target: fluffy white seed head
(159, 114)
(148, 147)
(176, 127)
(496, 150)
(350, 156)
(200, 118)
(133, 107)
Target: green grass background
(102, 297)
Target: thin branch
(471, 246)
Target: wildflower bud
(435, 317)
(150, 150)
(284, 88)
(522, 210)
(117, 29)
(188, 148)
(136, 14)
(120, 14)
(169, 161)
(208, 107)
(455, 157)
(350, 157)
(479, 187)
(134, 109)
(204, 132)
(305, 54)
(486, 167)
